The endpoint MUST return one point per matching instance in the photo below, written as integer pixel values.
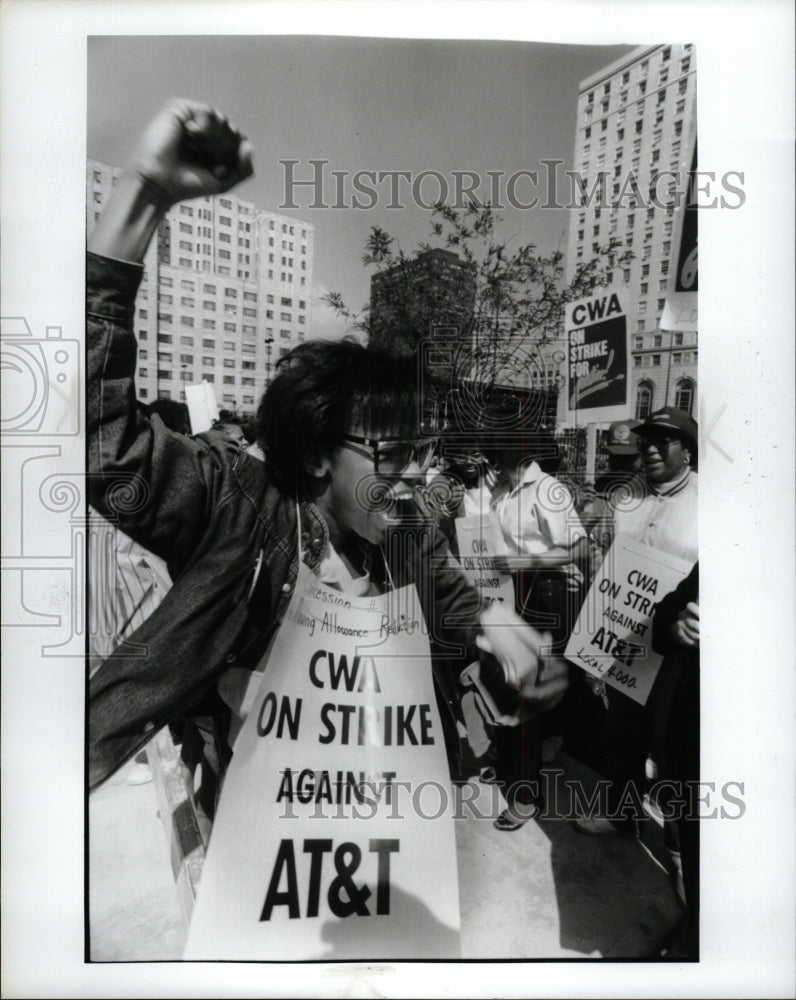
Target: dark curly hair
(325, 389)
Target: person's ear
(317, 467)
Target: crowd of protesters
(230, 514)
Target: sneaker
(139, 775)
(596, 826)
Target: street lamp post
(268, 345)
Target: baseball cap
(621, 439)
(669, 419)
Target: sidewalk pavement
(544, 891)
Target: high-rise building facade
(637, 117)
(226, 292)
(431, 295)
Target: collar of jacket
(277, 513)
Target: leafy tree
(494, 309)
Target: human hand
(511, 564)
(685, 629)
(189, 149)
(513, 643)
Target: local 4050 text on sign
(612, 636)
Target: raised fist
(189, 150)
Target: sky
(360, 104)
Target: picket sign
(598, 357)
(477, 537)
(334, 836)
(612, 638)
(202, 406)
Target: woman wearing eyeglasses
(335, 498)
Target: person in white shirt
(544, 544)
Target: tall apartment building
(639, 115)
(431, 295)
(226, 292)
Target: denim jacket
(214, 515)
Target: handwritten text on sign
(612, 636)
(322, 846)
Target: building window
(677, 359)
(656, 360)
(638, 343)
(644, 400)
(678, 340)
(684, 396)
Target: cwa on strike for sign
(598, 357)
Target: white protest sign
(612, 636)
(477, 539)
(598, 357)
(334, 836)
(202, 406)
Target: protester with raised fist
(343, 447)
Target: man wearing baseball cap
(661, 508)
(624, 462)
(657, 508)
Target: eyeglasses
(393, 455)
(661, 442)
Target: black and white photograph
(359, 506)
